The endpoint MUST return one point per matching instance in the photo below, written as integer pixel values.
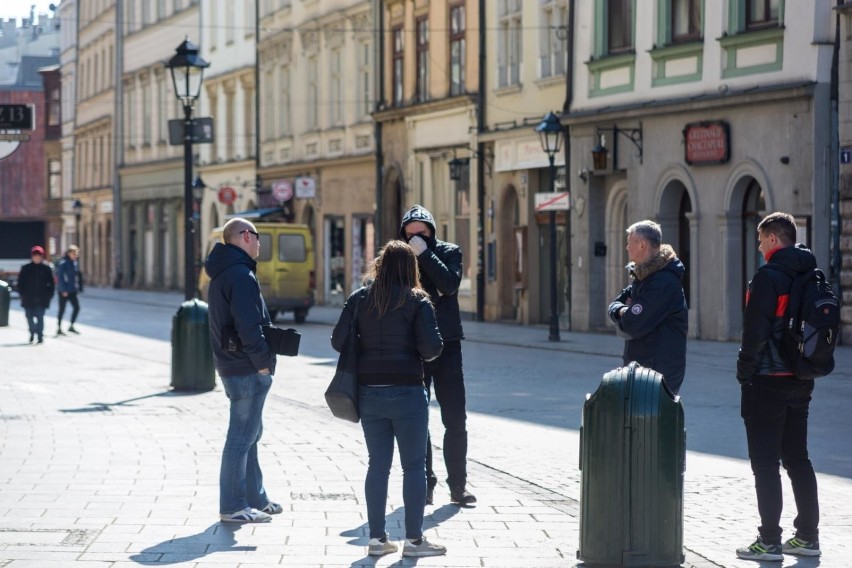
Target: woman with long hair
(397, 331)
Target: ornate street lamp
(550, 131)
(187, 69)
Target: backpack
(811, 324)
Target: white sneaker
(380, 547)
(247, 515)
(422, 547)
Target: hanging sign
(707, 143)
(306, 187)
(227, 195)
(282, 190)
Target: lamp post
(550, 131)
(187, 69)
(197, 197)
(77, 208)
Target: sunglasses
(255, 233)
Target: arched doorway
(511, 267)
(753, 210)
(616, 255)
(392, 206)
(675, 211)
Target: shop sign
(707, 143)
(306, 187)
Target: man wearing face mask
(440, 266)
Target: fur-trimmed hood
(664, 259)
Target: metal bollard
(192, 356)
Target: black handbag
(342, 393)
(282, 341)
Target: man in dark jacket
(651, 313)
(35, 287)
(440, 266)
(774, 403)
(237, 314)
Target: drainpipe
(118, 145)
(834, 165)
(257, 179)
(379, 81)
(566, 108)
(480, 170)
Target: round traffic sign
(282, 190)
(227, 195)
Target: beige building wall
(152, 183)
(93, 163)
(845, 136)
(316, 91)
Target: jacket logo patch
(636, 309)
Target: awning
(266, 214)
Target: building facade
(712, 114)
(317, 149)
(428, 114)
(152, 171)
(94, 163)
(67, 13)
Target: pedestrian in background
(397, 332)
(440, 266)
(651, 313)
(35, 287)
(237, 314)
(774, 403)
(69, 282)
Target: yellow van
(285, 268)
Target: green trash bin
(5, 298)
(632, 458)
(192, 356)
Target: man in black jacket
(243, 360)
(651, 313)
(774, 403)
(35, 287)
(440, 266)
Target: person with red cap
(35, 287)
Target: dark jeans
(445, 373)
(75, 304)
(775, 412)
(35, 320)
(400, 412)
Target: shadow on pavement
(397, 519)
(108, 406)
(216, 538)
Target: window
(130, 15)
(54, 179)
(335, 103)
(619, 26)
(553, 38)
(313, 94)
(762, 13)
(146, 12)
(398, 52)
(686, 20)
(284, 100)
(291, 248)
(421, 89)
(457, 50)
(53, 107)
(146, 119)
(462, 217)
(364, 79)
(510, 43)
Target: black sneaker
(72, 330)
(801, 547)
(463, 499)
(32, 337)
(759, 550)
(60, 332)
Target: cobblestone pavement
(101, 465)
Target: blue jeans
(775, 412)
(240, 479)
(400, 412)
(35, 320)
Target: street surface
(101, 465)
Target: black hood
(224, 256)
(417, 213)
(797, 258)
